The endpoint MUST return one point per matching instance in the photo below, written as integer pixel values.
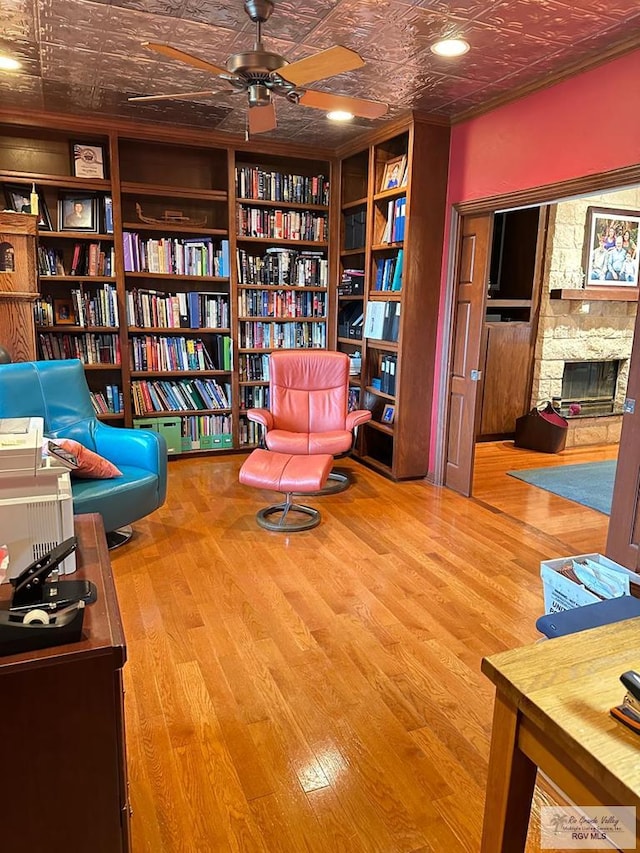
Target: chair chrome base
(338, 481)
(285, 524)
(116, 538)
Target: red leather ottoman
(283, 472)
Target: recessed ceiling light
(8, 64)
(339, 115)
(450, 47)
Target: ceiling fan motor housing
(258, 10)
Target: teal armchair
(57, 391)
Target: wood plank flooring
(321, 691)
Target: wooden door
(470, 287)
(623, 540)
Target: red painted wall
(585, 125)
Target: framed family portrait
(88, 160)
(63, 312)
(18, 198)
(393, 173)
(388, 414)
(78, 213)
(610, 255)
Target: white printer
(36, 505)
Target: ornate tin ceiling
(85, 56)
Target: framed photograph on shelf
(78, 213)
(63, 312)
(393, 173)
(88, 160)
(18, 198)
(388, 414)
(610, 254)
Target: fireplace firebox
(589, 388)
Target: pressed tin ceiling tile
(86, 55)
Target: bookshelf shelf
(78, 329)
(350, 253)
(387, 195)
(103, 366)
(110, 416)
(59, 182)
(276, 241)
(386, 247)
(380, 427)
(355, 341)
(262, 318)
(164, 374)
(63, 279)
(173, 228)
(165, 413)
(358, 202)
(387, 346)
(275, 287)
(289, 205)
(176, 331)
(385, 296)
(91, 236)
(164, 276)
(377, 393)
(162, 191)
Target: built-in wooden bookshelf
(282, 268)
(116, 286)
(400, 260)
(176, 269)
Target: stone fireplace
(582, 332)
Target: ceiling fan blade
(181, 56)
(327, 63)
(262, 119)
(176, 97)
(357, 106)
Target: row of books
(107, 402)
(197, 427)
(302, 335)
(281, 224)
(283, 266)
(191, 310)
(176, 255)
(394, 228)
(254, 367)
(254, 182)
(155, 352)
(86, 259)
(282, 303)
(89, 347)
(88, 308)
(163, 395)
(248, 433)
(389, 272)
(254, 397)
(388, 364)
(382, 321)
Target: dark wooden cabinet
(508, 343)
(64, 784)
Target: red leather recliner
(308, 399)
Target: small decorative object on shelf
(388, 414)
(393, 173)
(20, 200)
(175, 217)
(88, 160)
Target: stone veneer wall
(571, 330)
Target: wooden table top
(566, 686)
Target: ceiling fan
(261, 74)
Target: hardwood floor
(321, 691)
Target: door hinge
(629, 406)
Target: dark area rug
(590, 483)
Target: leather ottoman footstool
(283, 472)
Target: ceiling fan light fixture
(450, 47)
(9, 64)
(339, 115)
